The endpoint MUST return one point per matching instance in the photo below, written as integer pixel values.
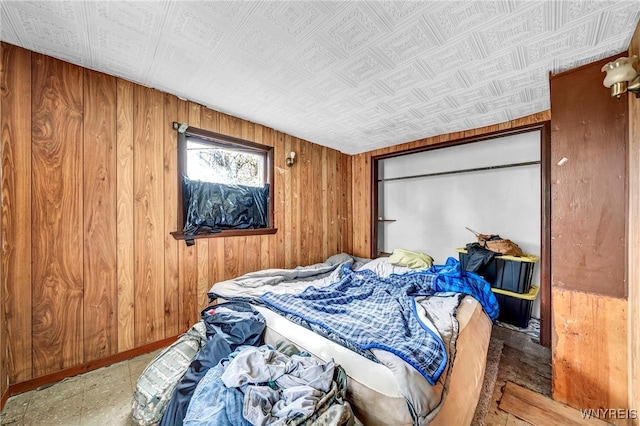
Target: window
(225, 185)
(209, 162)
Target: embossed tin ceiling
(352, 75)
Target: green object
(410, 259)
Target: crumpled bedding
(293, 385)
(189, 373)
(437, 312)
(251, 286)
(260, 386)
(228, 326)
(373, 312)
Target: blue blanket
(374, 312)
(451, 277)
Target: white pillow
(382, 268)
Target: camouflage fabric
(157, 382)
(332, 409)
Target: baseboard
(82, 368)
(4, 398)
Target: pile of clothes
(221, 373)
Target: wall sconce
(622, 76)
(290, 159)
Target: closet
(425, 200)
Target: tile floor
(103, 397)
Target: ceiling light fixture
(622, 76)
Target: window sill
(178, 235)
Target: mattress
(391, 391)
(373, 389)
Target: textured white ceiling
(352, 75)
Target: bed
(386, 385)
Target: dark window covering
(206, 217)
(212, 207)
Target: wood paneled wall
(4, 376)
(89, 196)
(634, 240)
(362, 184)
(589, 249)
(588, 207)
(589, 357)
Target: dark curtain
(212, 207)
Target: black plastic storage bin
(515, 308)
(509, 273)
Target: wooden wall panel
(4, 357)
(216, 260)
(148, 208)
(345, 208)
(202, 247)
(324, 190)
(633, 226)
(361, 187)
(589, 252)
(16, 210)
(303, 189)
(252, 254)
(124, 216)
(93, 215)
(306, 196)
(316, 246)
(588, 207)
(233, 257)
(280, 196)
(289, 204)
(170, 194)
(188, 265)
(263, 243)
(57, 214)
(294, 209)
(589, 365)
(100, 216)
(210, 120)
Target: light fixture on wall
(622, 76)
(290, 159)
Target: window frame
(223, 141)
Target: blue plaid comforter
(374, 312)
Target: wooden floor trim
(537, 409)
(4, 398)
